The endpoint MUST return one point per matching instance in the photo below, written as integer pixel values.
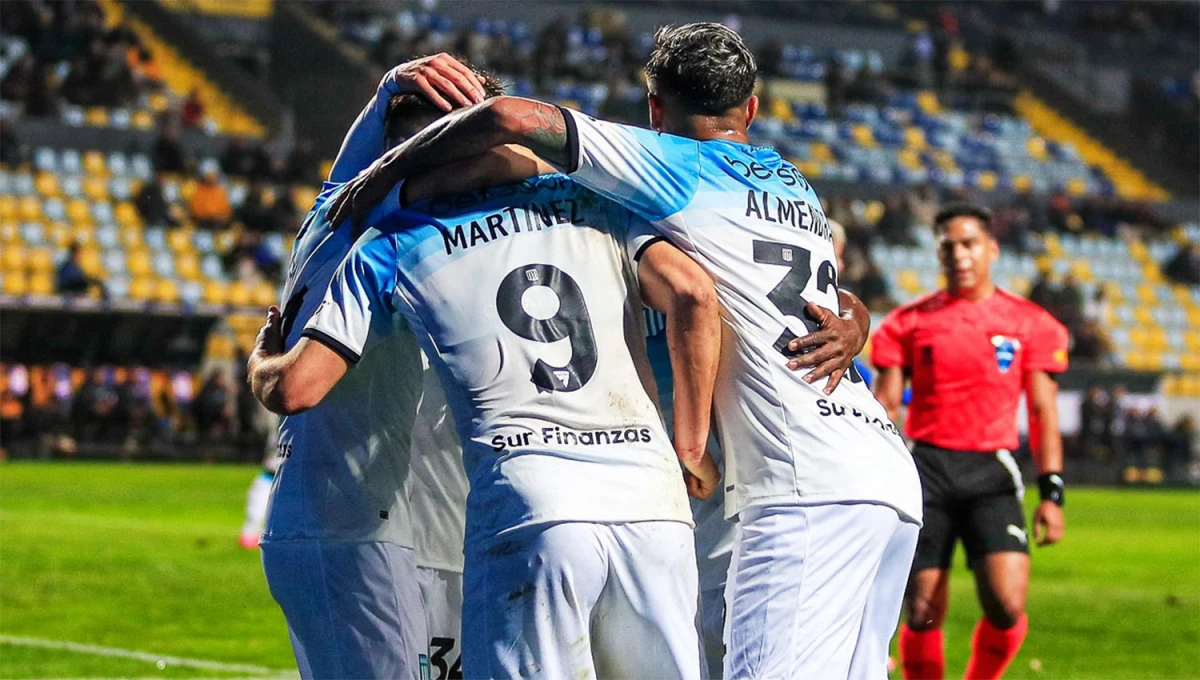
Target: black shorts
(972, 495)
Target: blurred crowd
(1114, 427)
(60, 410)
(70, 56)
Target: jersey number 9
(571, 322)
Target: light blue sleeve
(357, 311)
(653, 174)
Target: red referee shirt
(967, 362)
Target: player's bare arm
(889, 390)
(292, 382)
(440, 78)
(830, 350)
(495, 122)
(674, 284)
(501, 165)
(1045, 441)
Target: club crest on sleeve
(1006, 351)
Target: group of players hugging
(473, 453)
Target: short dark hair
(405, 108)
(955, 210)
(705, 65)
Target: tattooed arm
(502, 120)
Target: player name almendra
(518, 218)
(562, 436)
(794, 212)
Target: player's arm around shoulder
(674, 284)
(1045, 441)
(295, 381)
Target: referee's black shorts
(972, 495)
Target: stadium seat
(142, 289)
(187, 266)
(41, 283)
(216, 293)
(239, 294)
(29, 209)
(15, 283)
(167, 291)
(95, 188)
(139, 264)
(264, 295)
(47, 185)
(79, 211)
(93, 164)
(12, 257)
(40, 260)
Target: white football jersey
(524, 299)
(754, 223)
(344, 463)
(437, 486)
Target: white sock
(256, 504)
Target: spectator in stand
(1068, 302)
(873, 289)
(152, 205)
(895, 225)
(1184, 265)
(12, 151)
(94, 408)
(1042, 291)
(79, 87)
(71, 279)
(1180, 445)
(167, 154)
(209, 206)
(191, 114)
(215, 408)
(1095, 423)
(302, 165)
(1091, 344)
(1098, 309)
(245, 160)
(254, 213)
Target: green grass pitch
(145, 558)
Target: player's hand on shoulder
(1049, 523)
(270, 337)
(703, 478)
(830, 350)
(440, 77)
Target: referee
(969, 350)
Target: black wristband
(1051, 488)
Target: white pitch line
(134, 654)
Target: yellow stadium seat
(93, 164)
(79, 212)
(1192, 340)
(1172, 385)
(1022, 183)
(187, 266)
(1193, 315)
(47, 185)
(142, 289)
(127, 215)
(1143, 316)
(89, 259)
(909, 281)
(13, 257)
(187, 188)
(914, 139)
(166, 291)
(159, 102)
(782, 109)
(863, 135)
(1147, 294)
(30, 209)
(143, 120)
(40, 260)
(986, 180)
(304, 197)
(15, 283)
(96, 117)
(220, 346)
(180, 241)
(9, 232)
(41, 283)
(1158, 339)
(131, 236)
(239, 294)
(139, 263)
(1190, 362)
(928, 102)
(216, 293)
(264, 295)
(8, 208)
(1082, 269)
(95, 188)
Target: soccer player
(969, 351)
(338, 539)
(827, 497)
(526, 299)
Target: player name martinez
(562, 436)
(527, 218)
(790, 211)
(828, 408)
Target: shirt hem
(823, 499)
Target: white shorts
(815, 591)
(442, 594)
(353, 609)
(583, 600)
